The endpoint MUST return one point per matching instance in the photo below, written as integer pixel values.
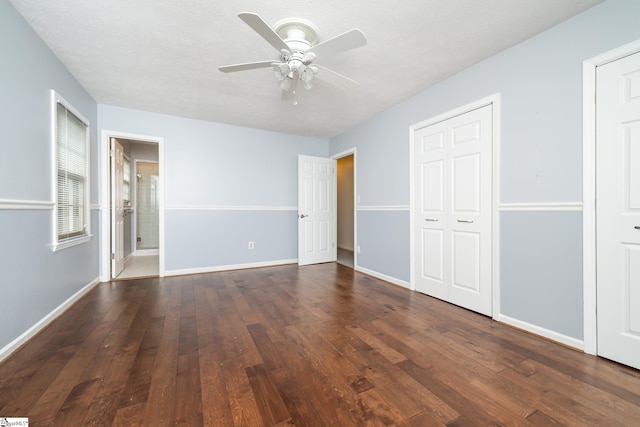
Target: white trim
(26, 204)
(589, 188)
(384, 208)
(537, 330)
(69, 243)
(384, 277)
(455, 112)
(229, 208)
(493, 100)
(541, 207)
(215, 269)
(344, 153)
(350, 152)
(95, 207)
(495, 256)
(105, 220)
(7, 350)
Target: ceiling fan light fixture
(306, 75)
(281, 71)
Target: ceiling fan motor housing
(299, 35)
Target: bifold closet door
(452, 209)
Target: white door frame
(105, 220)
(345, 153)
(493, 100)
(589, 188)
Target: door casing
(590, 340)
(105, 219)
(493, 100)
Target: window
(71, 180)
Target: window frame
(85, 236)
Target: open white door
(316, 210)
(618, 210)
(117, 208)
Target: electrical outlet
(250, 245)
(358, 201)
(358, 248)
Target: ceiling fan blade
(289, 94)
(260, 27)
(341, 43)
(245, 66)
(335, 79)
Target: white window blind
(71, 147)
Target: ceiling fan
(297, 41)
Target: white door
(316, 210)
(452, 210)
(117, 208)
(618, 210)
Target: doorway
(133, 207)
(346, 209)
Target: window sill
(69, 243)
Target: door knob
(303, 216)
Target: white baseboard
(384, 277)
(228, 267)
(7, 350)
(546, 333)
(146, 252)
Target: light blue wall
(33, 279)
(219, 238)
(547, 246)
(381, 238)
(540, 84)
(211, 167)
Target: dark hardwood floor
(312, 346)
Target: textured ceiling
(162, 55)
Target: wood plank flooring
(300, 346)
